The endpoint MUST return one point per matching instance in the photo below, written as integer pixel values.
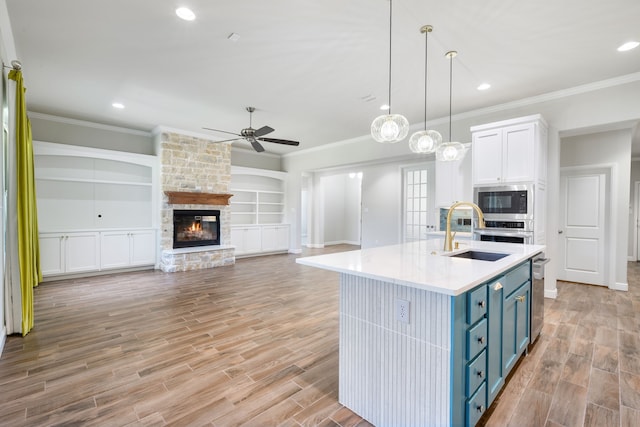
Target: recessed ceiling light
(628, 46)
(484, 86)
(185, 13)
(384, 107)
(234, 37)
(118, 105)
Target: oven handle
(489, 232)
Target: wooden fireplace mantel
(187, 198)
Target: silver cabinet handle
(481, 340)
(482, 304)
(497, 286)
(480, 374)
(480, 408)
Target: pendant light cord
(450, 91)
(426, 57)
(390, 30)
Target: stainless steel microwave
(506, 201)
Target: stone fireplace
(194, 175)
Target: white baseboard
(341, 242)
(631, 258)
(551, 293)
(295, 251)
(620, 287)
(315, 245)
(3, 338)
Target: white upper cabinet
(510, 151)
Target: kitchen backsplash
(460, 219)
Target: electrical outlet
(402, 310)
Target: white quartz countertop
(424, 265)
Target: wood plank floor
(257, 344)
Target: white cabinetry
(453, 181)
(510, 151)
(258, 211)
(247, 240)
(127, 248)
(101, 205)
(275, 238)
(69, 253)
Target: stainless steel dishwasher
(537, 297)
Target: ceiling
(316, 71)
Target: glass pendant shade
(390, 128)
(450, 151)
(425, 141)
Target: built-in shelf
(94, 181)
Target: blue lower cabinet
(515, 329)
(476, 372)
(495, 377)
(476, 339)
(476, 406)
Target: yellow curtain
(27, 213)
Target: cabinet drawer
(476, 339)
(516, 277)
(476, 406)
(476, 304)
(476, 372)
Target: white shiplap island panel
(402, 374)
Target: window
(418, 202)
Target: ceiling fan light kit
(390, 128)
(254, 135)
(425, 141)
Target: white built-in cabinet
(69, 253)
(257, 211)
(514, 151)
(127, 248)
(96, 209)
(510, 151)
(453, 181)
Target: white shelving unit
(86, 192)
(258, 211)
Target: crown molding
(88, 124)
(551, 96)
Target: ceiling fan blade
(256, 145)
(263, 131)
(281, 141)
(232, 139)
(223, 131)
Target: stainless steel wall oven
(508, 213)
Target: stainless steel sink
(479, 255)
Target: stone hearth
(194, 165)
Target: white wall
(633, 211)
(604, 148)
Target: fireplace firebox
(196, 228)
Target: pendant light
(425, 141)
(450, 151)
(390, 127)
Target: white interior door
(583, 210)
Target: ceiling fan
(254, 135)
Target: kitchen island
(426, 337)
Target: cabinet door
(515, 329)
(518, 153)
(282, 237)
(52, 253)
(495, 377)
(81, 252)
(114, 249)
(487, 157)
(246, 240)
(143, 247)
(269, 238)
(237, 239)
